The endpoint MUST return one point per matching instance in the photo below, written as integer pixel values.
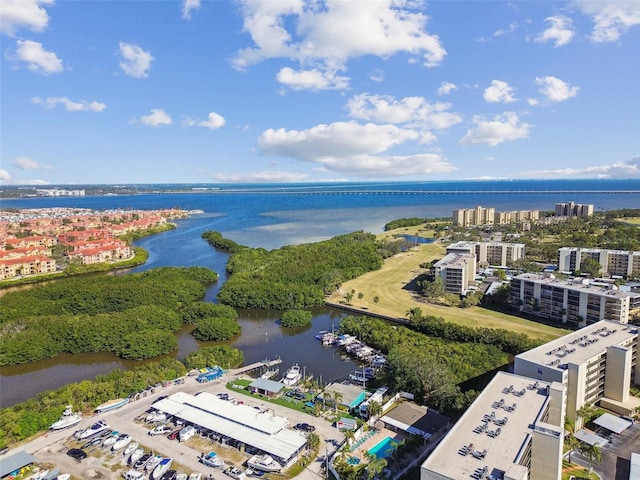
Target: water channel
(261, 337)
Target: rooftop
(579, 346)
(577, 284)
(494, 430)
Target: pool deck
(380, 435)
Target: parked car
(173, 435)
(77, 453)
(235, 473)
(305, 427)
(160, 430)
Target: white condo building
(598, 363)
(577, 301)
(492, 253)
(457, 270)
(573, 210)
(622, 263)
(512, 431)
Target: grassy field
(630, 220)
(389, 285)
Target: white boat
(142, 461)
(112, 405)
(266, 463)
(195, 476)
(136, 455)
(270, 373)
(94, 429)
(292, 376)
(182, 476)
(121, 442)
(67, 419)
(211, 460)
(63, 476)
(151, 416)
(111, 439)
(161, 468)
(130, 448)
(153, 462)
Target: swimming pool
(384, 447)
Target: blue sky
(316, 91)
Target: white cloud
(499, 91)
(533, 101)
(623, 169)
(135, 61)
(70, 105)
(213, 122)
(260, 177)
(37, 58)
(560, 31)
(29, 14)
(188, 6)
(555, 89)
(611, 18)
(26, 163)
(377, 75)
(313, 79)
(413, 111)
(354, 149)
(446, 88)
(326, 34)
(513, 26)
(502, 128)
(4, 175)
(156, 118)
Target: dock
(254, 366)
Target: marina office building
(241, 423)
(512, 431)
(492, 253)
(621, 263)
(597, 363)
(578, 301)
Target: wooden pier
(254, 366)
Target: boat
(112, 405)
(63, 476)
(151, 416)
(266, 463)
(182, 476)
(292, 376)
(67, 419)
(94, 429)
(142, 461)
(161, 468)
(211, 459)
(121, 442)
(270, 373)
(130, 448)
(111, 439)
(169, 475)
(195, 476)
(153, 462)
(136, 455)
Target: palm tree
(593, 453)
(414, 313)
(374, 409)
(313, 440)
(585, 413)
(570, 441)
(376, 466)
(349, 435)
(348, 297)
(337, 396)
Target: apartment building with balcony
(491, 253)
(573, 210)
(474, 216)
(457, 270)
(579, 302)
(621, 263)
(512, 431)
(597, 364)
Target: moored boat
(266, 463)
(195, 476)
(211, 459)
(121, 442)
(63, 476)
(130, 448)
(153, 462)
(136, 455)
(292, 376)
(67, 419)
(142, 461)
(182, 476)
(111, 439)
(112, 405)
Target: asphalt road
(102, 464)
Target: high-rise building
(492, 253)
(573, 210)
(474, 216)
(457, 270)
(512, 431)
(622, 263)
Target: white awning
(613, 423)
(590, 438)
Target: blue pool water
(383, 448)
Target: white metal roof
(261, 430)
(613, 423)
(590, 438)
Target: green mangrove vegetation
(295, 318)
(216, 240)
(134, 316)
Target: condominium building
(573, 210)
(512, 431)
(579, 302)
(597, 363)
(516, 216)
(474, 216)
(492, 253)
(622, 263)
(457, 270)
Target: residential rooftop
(578, 284)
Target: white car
(160, 430)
